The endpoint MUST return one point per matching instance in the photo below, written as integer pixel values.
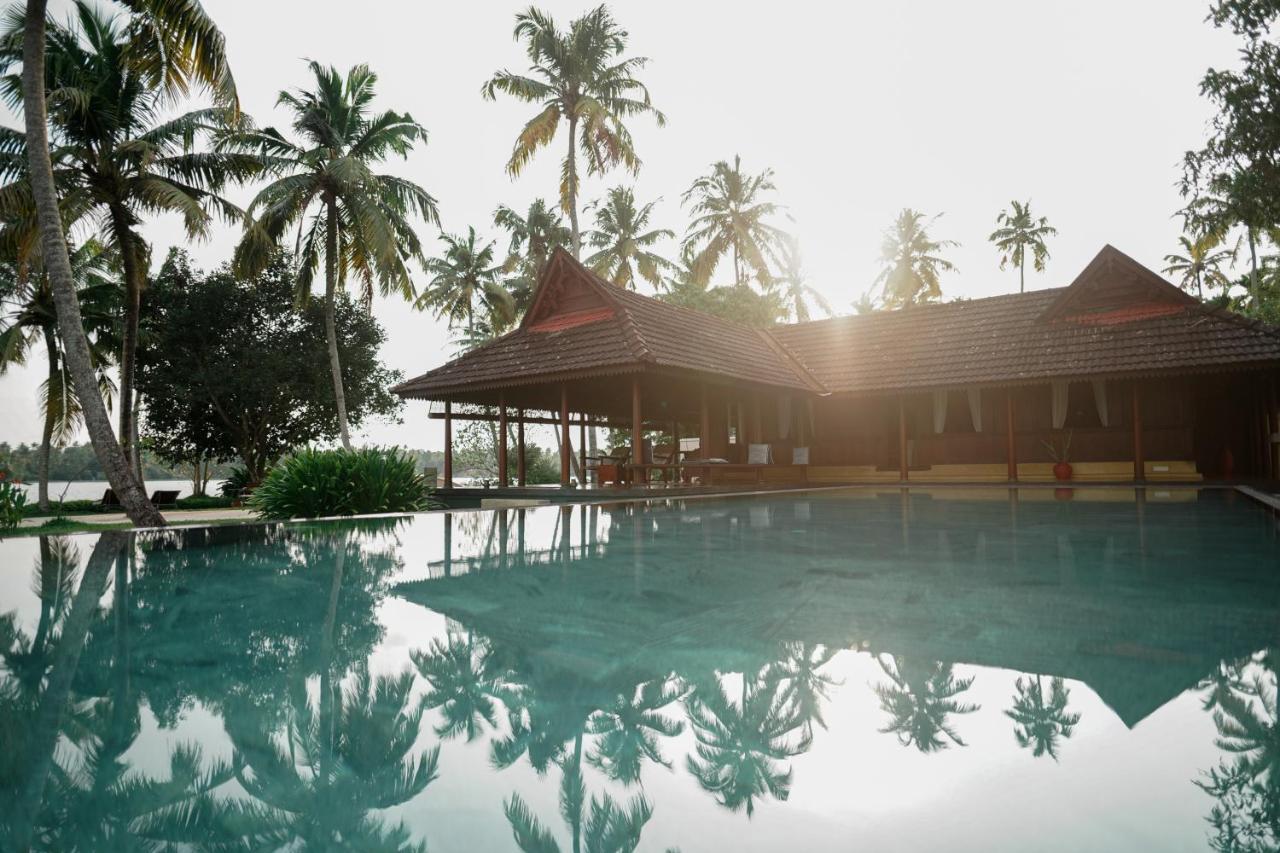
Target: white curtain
(939, 411)
(1100, 400)
(975, 408)
(784, 416)
(1059, 403)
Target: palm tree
(911, 263)
(796, 289)
(731, 216)
(1019, 232)
(609, 828)
(623, 242)
(181, 48)
(865, 304)
(462, 279)
(804, 685)
(1041, 721)
(1201, 262)
(534, 236)
(466, 684)
(351, 220)
(579, 77)
(34, 320)
(918, 699)
(629, 730)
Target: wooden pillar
(502, 440)
(757, 426)
(637, 424)
(1265, 406)
(1011, 444)
(448, 444)
(1139, 461)
(520, 468)
(704, 426)
(902, 440)
(566, 450)
(582, 448)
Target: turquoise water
(862, 669)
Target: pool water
(977, 670)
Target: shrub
(316, 483)
(13, 502)
(237, 481)
(203, 502)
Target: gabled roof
(580, 325)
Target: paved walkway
(173, 516)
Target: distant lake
(91, 490)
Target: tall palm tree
(183, 49)
(1201, 262)
(534, 236)
(1041, 721)
(579, 77)
(350, 219)
(732, 215)
(624, 244)
(912, 265)
(797, 292)
(465, 278)
(1020, 232)
(865, 304)
(34, 320)
(919, 698)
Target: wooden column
(902, 439)
(582, 447)
(566, 450)
(1139, 461)
(637, 424)
(757, 426)
(1011, 444)
(704, 425)
(520, 448)
(502, 440)
(448, 444)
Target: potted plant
(1061, 456)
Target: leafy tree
(737, 304)
(1041, 721)
(462, 279)
(797, 293)
(732, 216)
(534, 236)
(182, 48)
(912, 265)
(253, 385)
(1018, 232)
(1201, 261)
(580, 77)
(624, 244)
(350, 219)
(34, 320)
(919, 698)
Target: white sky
(860, 108)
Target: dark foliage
(321, 483)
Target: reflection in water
(612, 652)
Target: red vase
(1062, 471)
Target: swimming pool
(859, 669)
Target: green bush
(203, 502)
(317, 483)
(237, 481)
(13, 502)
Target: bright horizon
(859, 111)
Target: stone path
(176, 516)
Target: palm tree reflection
(919, 698)
(1041, 721)
(628, 731)
(466, 684)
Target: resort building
(1120, 371)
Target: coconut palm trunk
(58, 267)
(127, 242)
(330, 316)
(46, 435)
(571, 181)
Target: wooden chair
(110, 501)
(163, 498)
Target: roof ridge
(1220, 312)
(798, 366)
(916, 310)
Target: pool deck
(180, 516)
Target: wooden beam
(520, 465)
(1011, 443)
(502, 441)
(637, 424)
(554, 420)
(903, 473)
(566, 449)
(704, 425)
(1139, 461)
(448, 445)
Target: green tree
(34, 321)
(1019, 232)
(182, 48)
(741, 305)
(253, 385)
(1200, 263)
(579, 77)
(1041, 720)
(797, 293)
(732, 216)
(350, 219)
(534, 236)
(919, 698)
(625, 247)
(912, 265)
(463, 279)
